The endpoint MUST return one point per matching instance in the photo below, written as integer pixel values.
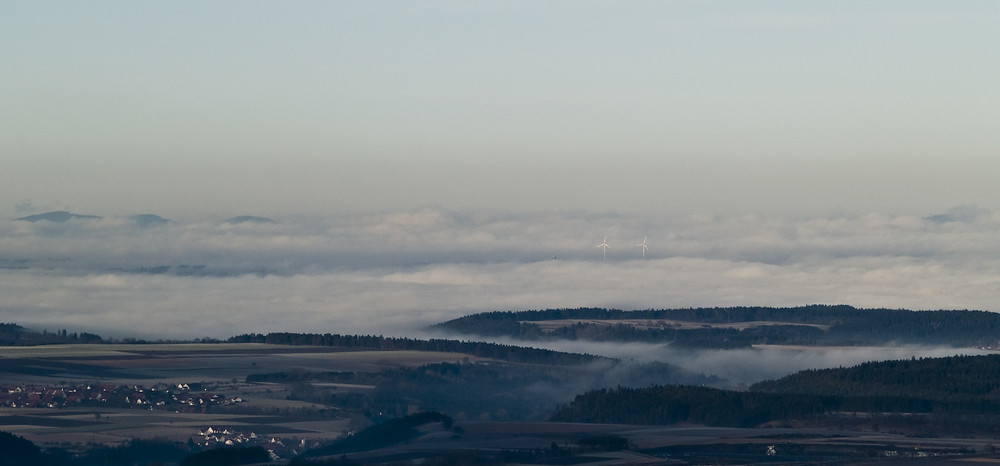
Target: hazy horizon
(395, 273)
(427, 160)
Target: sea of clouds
(395, 273)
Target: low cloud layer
(736, 367)
(395, 273)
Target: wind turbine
(604, 245)
(643, 246)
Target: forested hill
(953, 394)
(957, 378)
(16, 335)
(740, 326)
(487, 350)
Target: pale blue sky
(189, 109)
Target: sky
(426, 160)
(195, 110)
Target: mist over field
(744, 366)
(394, 273)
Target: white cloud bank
(396, 273)
(749, 365)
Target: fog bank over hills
(744, 366)
(393, 273)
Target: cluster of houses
(219, 437)
(178, 397)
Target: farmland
(314, 397)
(185, 363)
(264, 410)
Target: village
(276, 447)
(179, 397)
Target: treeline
(228, 456)
(381, 435)
(812, 314)
(17, 451)
(455, 389)
(516, 391)
(395, 431)
(509, 353)
(814, 324)
(670, 404)
(16, 335)
(953, 379)
(960, 392)
(707, 337)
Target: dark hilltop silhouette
(149, 220)
(57, 216)
(60, 216)
(249, 219)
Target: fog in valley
(396, 273)
(735, 368)
(358, 167)
(176, 174)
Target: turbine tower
(604, 245)
(643, 246)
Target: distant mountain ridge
(740, 327)
(249, 219)
(148, 220)
(57, 216)
(60, 216)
